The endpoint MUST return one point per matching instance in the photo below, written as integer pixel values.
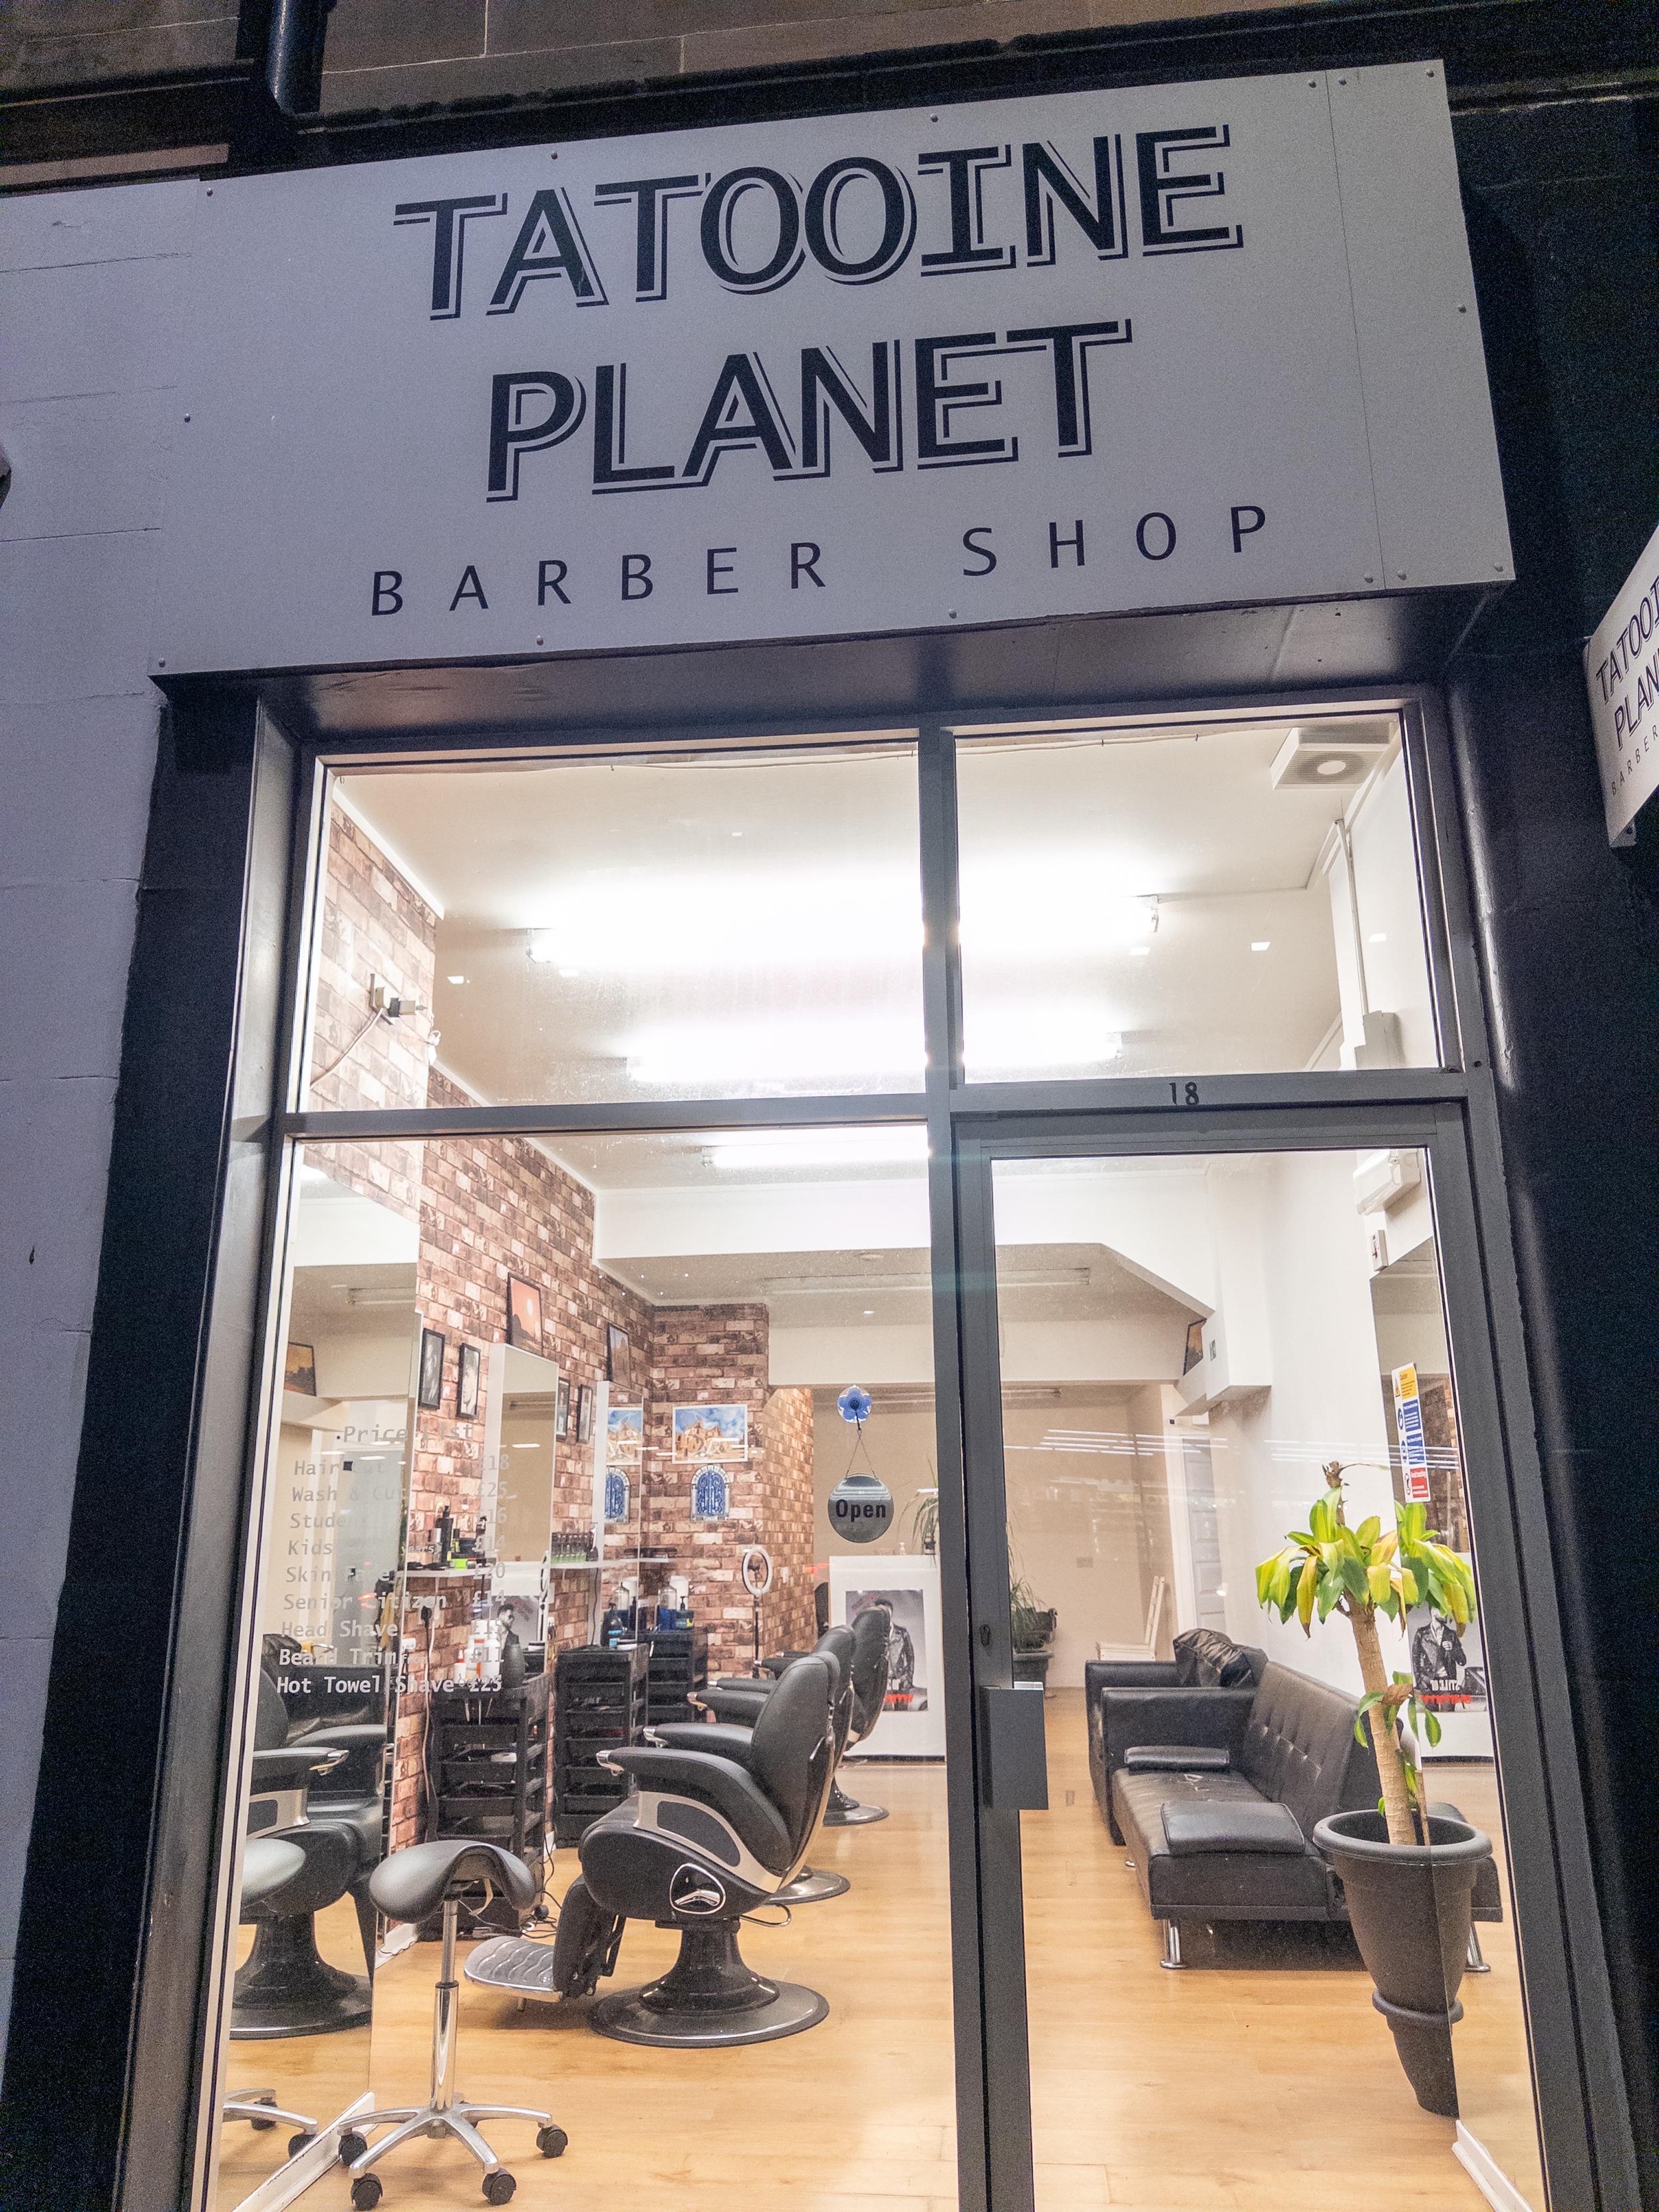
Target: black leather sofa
(1204, 1659)
(1217, 1797)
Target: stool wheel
(297, 2143)
(498, 2187)
(352, 2147)
(552, 2142)
(366, 2191)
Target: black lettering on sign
(716, 566)
(1247, 520)
(1069, 346)
(549, 243)
(898, 208)
(549, 577)
(742, 411)
(825, 385)
(448, 219)
(636, 572)
(651, 197)
(611, 435)
(982, 554)
(469, 588)
(1055, 541)
(965, 167)
(1155, 534)
(804, 558)
(388, 597)
(529, 410)
(1051, 183)
(1163, 194)
(718, 213)
(938, 399)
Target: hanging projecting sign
(1179, 346)
(1621, 666)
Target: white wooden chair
(1154, 1625)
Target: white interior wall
(902, 1445)
(1325, 1403)
(91, 306)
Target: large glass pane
(1215, 898)
(1191, 1347)
(625, 1362)
(717, 924)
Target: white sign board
(1181, 346)
(1621, 667)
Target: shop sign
(860, 1508)
(1125, 350)
(1621, 668)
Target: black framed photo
(429, 1390)
(1195, 1346)
(467, 1377)
(584, 1413)
(619, 1358)
(561, 1411)
(524, 1315)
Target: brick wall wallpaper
(488, 1208)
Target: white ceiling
(748, 923)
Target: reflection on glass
(298, 2054)
(1187, 1344)
(1215, 898)
(685, 1314)
(715, 925)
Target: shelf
(453, 1576)
(574, 1566)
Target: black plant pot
(1409, 1905)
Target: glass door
(1227, 1474)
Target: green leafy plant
(1328, 1568)
(1033, 1625)
(922, 1519)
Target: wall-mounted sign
(1621, 667)
(1408, 1426)
(1135, 348)
(860, 1508)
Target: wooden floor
(1258, 2077)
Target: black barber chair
(739, 1699)
(871, 1631)
(737, 1702)
(321, 1793)
(268, 1864)
(702, 1838)
(411, 1884)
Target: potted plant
(1408, 1876)
(921, 1520)
(1033, 1627)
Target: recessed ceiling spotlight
(1260, 944)
(1141, 952)
(869, 1313)
(570, 974)
(1378, 936)
(454, 979)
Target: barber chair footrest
(813, 1886)
(788, 2009)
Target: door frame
(1537, 1762)
(182, 1743)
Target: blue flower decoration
(854, 1404)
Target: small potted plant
(1033, 1627)
(921, 1520)
(1408, 1876)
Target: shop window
(568, 1430)
(714, 925)
(1210, 898)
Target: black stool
(409, 1885)
(267, 1864)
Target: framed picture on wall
(300, 1370)
(711, 1433)
(561, 1410)
(430, 1388)
(584, 1413)
(618, 1359)
(524, 1315)
(1195, 1346)
(466, 1383)
(624, 1436)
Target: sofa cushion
(1232, 1826)
(1206, 1659)
(1214, 1885)
(1177, 1759)
(1299, 1747)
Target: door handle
(1015, 1747)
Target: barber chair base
(285, 1989)
(845, 1812)
(708, 1999)
(813, 1886)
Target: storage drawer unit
(599, 1705)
